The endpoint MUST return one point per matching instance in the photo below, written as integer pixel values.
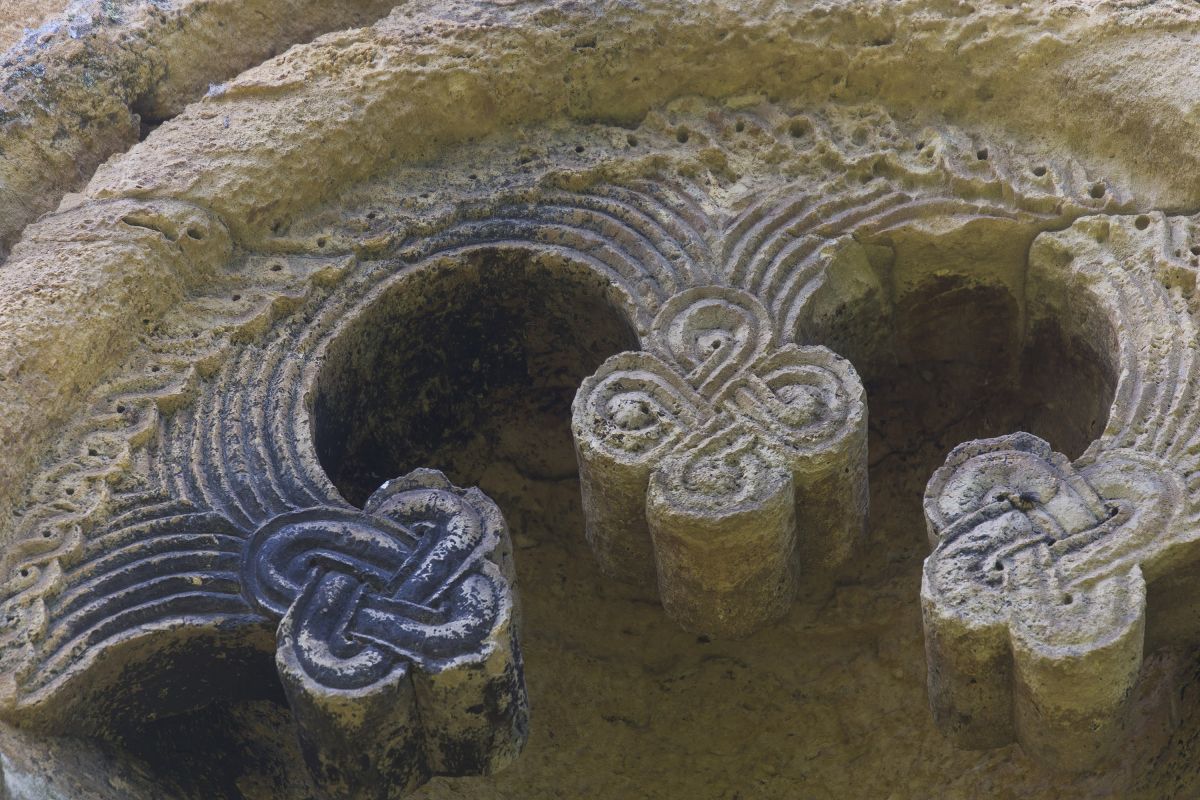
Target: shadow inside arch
(954, 342)
(471, 368)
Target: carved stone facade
(696, 299)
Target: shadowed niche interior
(955, 342)
(469, 368)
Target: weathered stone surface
(719, 351)
(91, 78)
(698, 457)
(399, 659)
(19, 16)
(169, 603)
(1035, 597)
(958, 201)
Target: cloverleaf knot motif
(707, 457)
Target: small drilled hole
(1068, 599)
(1039, 171)
(578, 148)
(1142, 222)
(236, 297)
(321, 242)
(155, 368)
(120, 409)
(276, 267)
(982, 154)
(93, 451)
(798, 128)
(195, 233)
(47, 535)
(70, 491)
(739, 126)
(1097, 191)
(631, 140)
(682, 136)
(1194, 249)
(25, 573)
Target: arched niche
(470, 365)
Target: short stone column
(720, 465)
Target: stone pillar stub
(1023, 641)
(721, 464)
(399, 655)
(635, 409)
(723, 520)
(395, 632)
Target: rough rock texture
(91, 81)
(981, 207)
(19, 16)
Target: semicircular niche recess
(695, 373)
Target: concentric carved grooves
(812, 405)
(1035, 597)
(716, 508)
(399, 617)
(242, 450)
(636, 409)
(208, 442)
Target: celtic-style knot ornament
(395, 631)
(1033, 598)
(719, 463)
(723, 463)
(393, 619)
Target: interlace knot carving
(395, 628)
(398, 607)
(366, 593)
(1034, 600)
(717, 461)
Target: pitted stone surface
(1036, 595)
(324, 183)
(92, 76)
(739, 445)
(396, 626)
(697, 457)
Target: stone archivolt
(396, 618)
(723, 462)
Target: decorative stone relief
(394, 628)
(1036, 594)
(724, 463)
(697, 461)
(203, 594)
